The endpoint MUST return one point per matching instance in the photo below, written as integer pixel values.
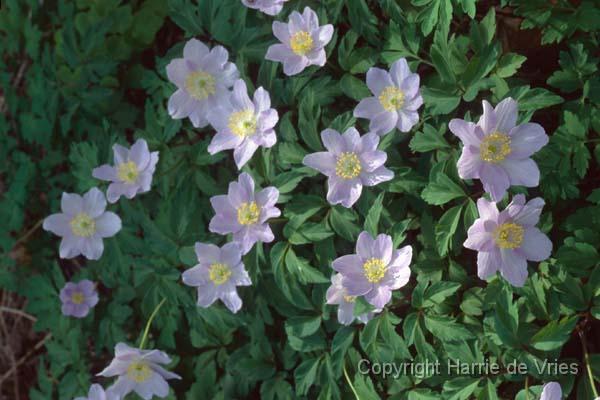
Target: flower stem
(527, 387)
(586, 358)
(350, 383)
(29, 232)
(145, 336)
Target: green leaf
(441, 190)
(509, 64)
(428, 140)
(372, 219)
(446, 228)
(554, 335)
(446, 329)
(302, 326)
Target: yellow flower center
(77, 298)
(350, 299)
(301, 43)
(128, 172)
(219, 273)
(200, 85)
(248, 213)
(83, 225)
(139, 371)
(509, 235)
(495, 147)
(348, 166)
(242, 123)
(374, 269)
(391, 98)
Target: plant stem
(586, 358)
(350, 383)
(29, 232)
(527, 387)
(145, 336)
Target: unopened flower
(245, 213)
(78, 298)
(375, 270)
(202, 77)
(83, 224)
(97, 393)
(337, 294)
(139, 371)
(243, 124)
(350, 162)
(132, 172)
(218, 272)
(551, 391)
(269, 7)
(506, 240)
(396, 99)
(302, 42)
(497, 151)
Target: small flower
(97, 393)
(269, 7)
(244, 213)
(551, 391)
(302, 42)
(350, 162)
(83, 224)
(78, 298)
(337, 294)
(139, 371)
(506, 240)
(132, 172)
(497, 151)
(375, 270)
(202, 77)
(218, 272)
(396, 99)
(242, 124)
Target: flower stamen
(139, 371)
(83, 225)
(348, 166)
(219, 273)
(200, 85)
(495, 147)
(391, 98)
(509, 235)
(77, 298)
(248, 213)
(128, 172)
(242, 123)
(374, 269)
(301, 43)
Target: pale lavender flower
(337, 294)
(551, 391)
(506, 240)
(97, 393)
(245, 213)
(396, 99)
(139, 371)
(350, 162)
(302, 42)
(132, 172)
(202, 77)
(243, 124)
(78, 298)
(218, 272)
(497, 151)
(375, 270)
(83, 224)
(269, 7)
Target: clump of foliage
(79, 76)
